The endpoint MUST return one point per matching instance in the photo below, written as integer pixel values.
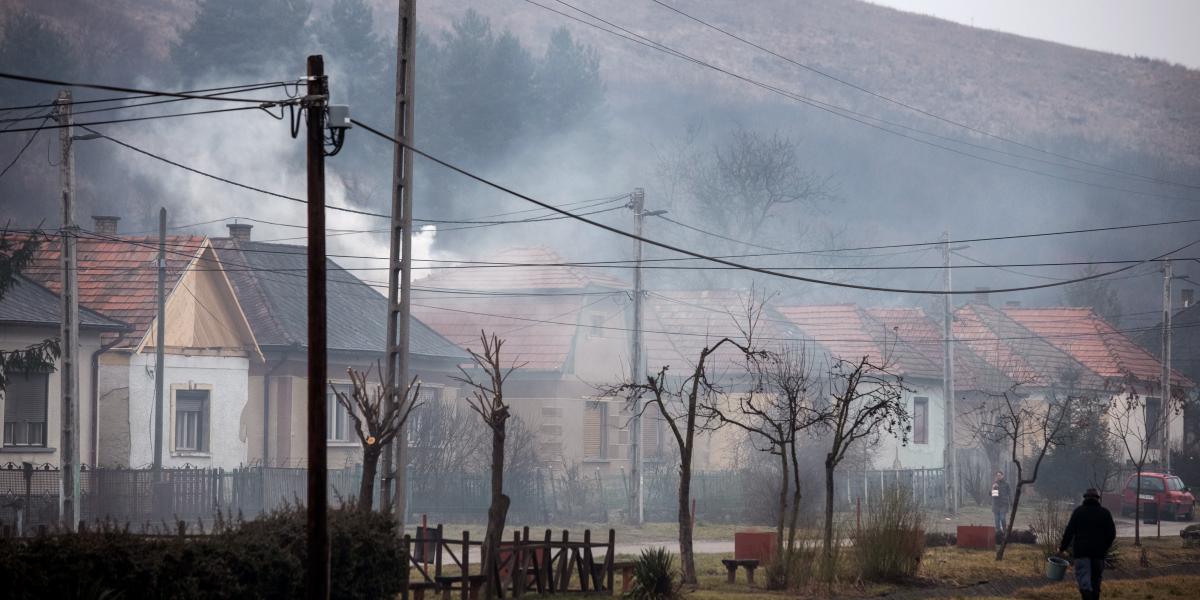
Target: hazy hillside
(1002, 83)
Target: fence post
(608, 560)
(466, 566)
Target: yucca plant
(654, 576)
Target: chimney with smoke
(239, 231)
(981, 295)
(1187, 297)
(105, 224)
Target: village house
(30, 402)
(234, 378)
(565, 327)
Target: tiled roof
(1021, 354)
(851, 333)
(680, 324)
(925, 336)
(30, 303)
(117, 278)
(271, 283)
(544, 272)
(1089, 339)
(538, 331)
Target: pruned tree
(773, 415)
(865, 400)
(486, 398)
(685, 407)
(1139, 432)
(1028, 427)
(378, 412)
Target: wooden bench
(446, 582)
(731, 567)
(626, 569)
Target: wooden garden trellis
(545, 567)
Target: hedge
(263, 558)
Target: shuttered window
(191, 420)
(595, 434)
(920, 420)
(651, 435)
(25, 400)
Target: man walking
(1090, 533)
(1001, 502)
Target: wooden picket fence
(546, 567)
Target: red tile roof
(681, 324)
(117, 278)
(1092, 341)
(851, 333)
(925, 336)
(1021, 354)
(544, 271)
(518, 320)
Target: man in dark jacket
(1001, 502)
(1090, 533)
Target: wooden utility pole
(159, 341)
(950, 463)
(315, 103)
(1164, 405)
(395, 459)
(69, 334)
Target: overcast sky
(1166, 29)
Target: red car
(1162, 490)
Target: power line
(129, 90)
(21, 152)
(925, 112)
(802, 338)
(729, 263)
(836, 110)
(297, 83)
(139, 105)
(135, 119)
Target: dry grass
(1156, 588)
(960, 566)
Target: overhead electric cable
(129, 90)
(831, 108)
(919, 110)
(729, 263)
(298, 82)
(139, 105)
(134, 119)
(21, 152)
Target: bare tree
(865, 401)
(685, 407)
(378, 413)
(1138, 434)
(1028, 428)
(775, 413)
(486, 398)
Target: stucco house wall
(226, 378)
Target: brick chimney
(239, 231)
(981, 295)
(105, 224)
(1187, 297)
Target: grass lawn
(1156, 588)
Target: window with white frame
(338, 425)
(25, 400)
(191, 420)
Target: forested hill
(1002, 83)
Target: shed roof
(28, 302)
